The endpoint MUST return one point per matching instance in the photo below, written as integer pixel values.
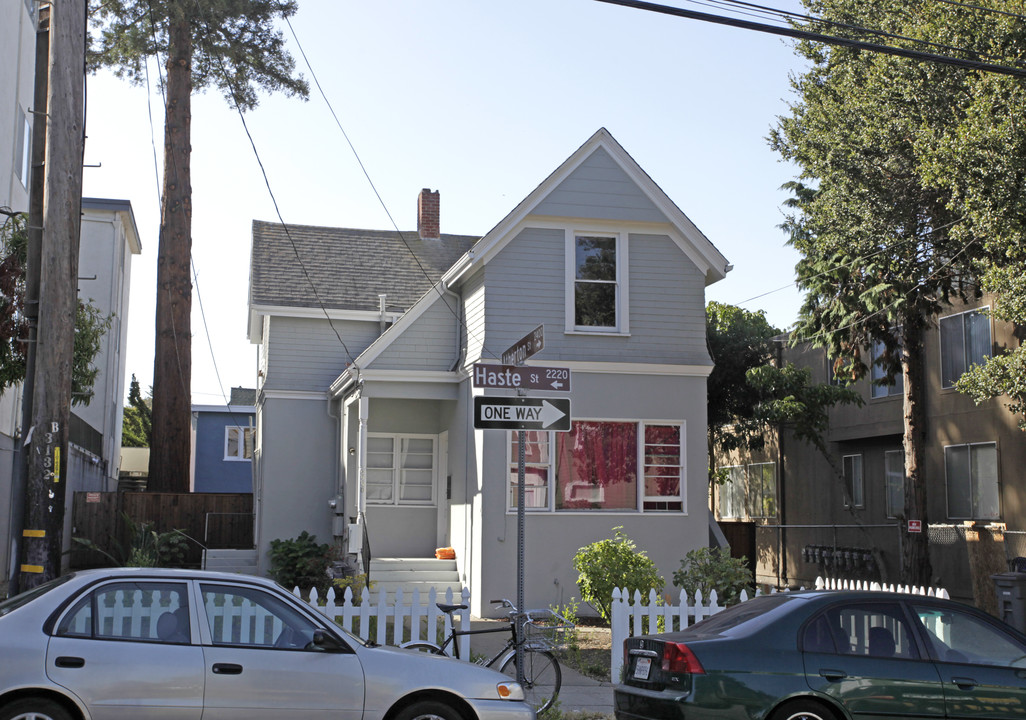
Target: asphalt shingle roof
(349, 268)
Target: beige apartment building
(800, 514)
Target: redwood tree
(233, 46)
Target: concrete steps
(409, 574)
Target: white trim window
(854, 487)
(238, 443)
(601, 466)
(596, 268)
(971, 471)
(964, 342)
(537, 465)
(401, 469)
(894, 483)
(749, 492)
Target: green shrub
(301, 562)
(356, 583)
(706, 569)
(145, 548)
(614, 563)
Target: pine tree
(233, 46)
(881, 252)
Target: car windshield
(22, 599)
(749, 613)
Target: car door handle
(227, 669)
(964, 683)
(833, 674)
(65, 661)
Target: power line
(820, 37)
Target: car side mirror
(326, 642)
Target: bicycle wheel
(542, 677)
(424, 647)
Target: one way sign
(522, 413)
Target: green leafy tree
(749, 393)
(881, 252)
(709, 569)
(614, 563)
(739, 340)
(90, 323)
(136, 422)
(234, 47)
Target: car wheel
(34, 709)
(429, 710)
(803, 710)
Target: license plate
(642, 667)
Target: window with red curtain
(663, 468)
(597, 466)
(536, 470)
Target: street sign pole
(521, 498)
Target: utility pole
(33, 256)
(47, 438)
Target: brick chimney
(427, 215)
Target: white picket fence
(863, 585)
(398, 622)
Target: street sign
(915, 526)
(529, 378)
(522, 413)
(525, 347)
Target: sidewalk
(576, 692)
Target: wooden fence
(211, 520)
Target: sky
(478, 100)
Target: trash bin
(1010, 588)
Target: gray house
(365, 405)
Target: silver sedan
(131, 644)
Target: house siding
(599, 188)
(305, 353)
(298, 454)
(214, 473)
(474, 296)
(428, 344)
(526, 287)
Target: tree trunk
(915, 561)
(172, 360)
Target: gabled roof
(345, 269)
(690, 239)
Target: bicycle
(542, 675)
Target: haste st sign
(528, 378)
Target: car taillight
(678, 658)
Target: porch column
(361, 459)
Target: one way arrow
(550, 414)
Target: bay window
(601, 466)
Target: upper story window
(878, 373)
(238, 442)
(964, 342)
(597, 282)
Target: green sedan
(829, 656)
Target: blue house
(222, 444)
